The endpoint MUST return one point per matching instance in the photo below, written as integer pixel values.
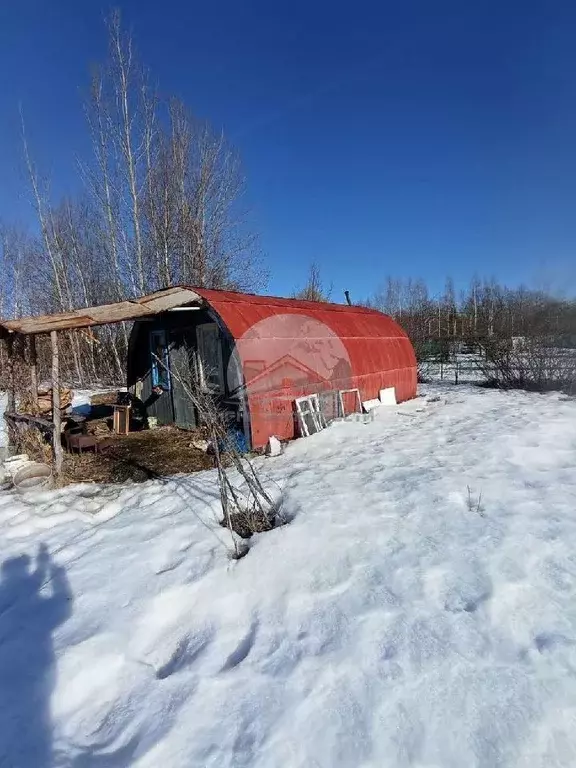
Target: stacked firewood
(44, 404)
(45, 400)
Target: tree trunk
(11, 384)
(33, 370)
(56, 417)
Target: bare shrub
(247, 509)
(474, 503)
(534, 364)
(250, 521)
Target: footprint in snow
(464, 588)
(242, 649)
(546, 642)
(186, 651)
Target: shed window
(159, 355)
(210, 368)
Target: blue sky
(421, 139)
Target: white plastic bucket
(33, 477)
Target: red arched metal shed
(273, 349)
(366, 349)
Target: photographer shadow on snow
(35, 599)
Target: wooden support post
(33, 370)
(11, 387)
(11, 374)
(56, 419)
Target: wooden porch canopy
(121, 311)
(133, 309)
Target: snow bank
(398, 620)
(82, 398)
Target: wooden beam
(28, 418)
(103, 314)
(33, 370)
(56, 416)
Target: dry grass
(33, 442)
(138, 456)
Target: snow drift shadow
(27, 672)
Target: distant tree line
(525, 337)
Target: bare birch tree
(314, 290)
(194, 217)
(129, 128)
(169, 188)
(164, 205)
(15, 248)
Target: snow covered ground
(418, 610)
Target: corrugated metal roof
(362, 330)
